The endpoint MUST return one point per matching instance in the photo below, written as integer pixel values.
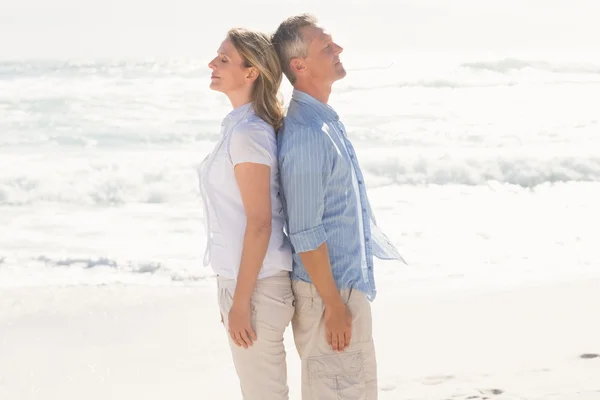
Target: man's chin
(341, 72)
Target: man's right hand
(338, 326)
(337, 317)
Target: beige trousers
(329, 375)
(262, 367)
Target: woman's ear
(252, 75)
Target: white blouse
(245, 137)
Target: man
(329, 222)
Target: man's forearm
(316, 263)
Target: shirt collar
(237, 114)
(325, 109)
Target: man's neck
(319, 92)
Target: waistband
(281, 278)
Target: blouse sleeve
(252, 142)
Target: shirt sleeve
(305, 166)
(252, 142)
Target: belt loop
(349, 295)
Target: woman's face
(228, 71)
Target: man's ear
(297, 65)
(252, 75)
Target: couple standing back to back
(300, 171)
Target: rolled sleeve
(309, 239)
(305, 164)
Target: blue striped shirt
(316, 164)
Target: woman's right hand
(240, 326)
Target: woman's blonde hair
(257, 51)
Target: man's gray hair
(289, 43)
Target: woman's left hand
(240, 326)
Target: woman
(246, 245)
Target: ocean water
(480, 169)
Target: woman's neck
(239, 99)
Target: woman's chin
(215, 86)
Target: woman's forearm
(256, 241)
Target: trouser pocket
(337, 376)
(226, 301)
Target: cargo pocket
(337, 376)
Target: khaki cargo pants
(329, 375)
(262, 367)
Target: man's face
(323, 61)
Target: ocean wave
(101, 270)
(107, 186)
(430, 84)
(526, 172)
(110, 191)
(477, 74)
(460, 84)
(85, 262)
(10, 69)
(412, 72)
(102, 183)
(121, 139)
(508, 65)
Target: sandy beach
(156, 342)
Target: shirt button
(360, 182)
(364, 210)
